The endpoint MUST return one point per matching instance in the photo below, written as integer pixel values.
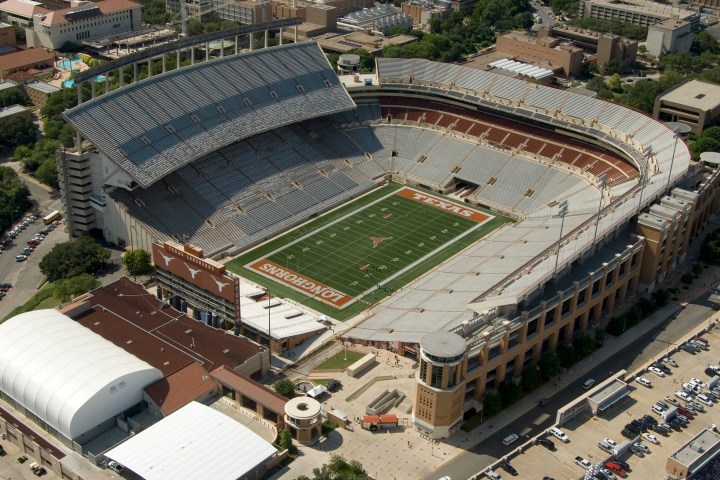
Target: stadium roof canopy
(523, 69)
(71, 378)
(162, 123)
(194, 442)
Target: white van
(559, 434)
(493, 475)
(510, 439)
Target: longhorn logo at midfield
(378, 240)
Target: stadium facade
(230, 152)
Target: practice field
(351, 258)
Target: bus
(54, 215)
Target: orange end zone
(300, 283)
(442, 204)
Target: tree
(286, 442)
(12, 96)
(614, 83)
(492, 404)
(567, 356)
(138, 262)
(73, 258)
(340, 469)
(704, 144)
(285, 388)
(17, 130)
(584, 345)
(704, 42)
(612, 67)
(712, 132)
(711, 249)
(510, 392)
(13, 197)
(549, 365)
(531, 378)
(72, 287)
(47, 173)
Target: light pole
(562, 211)
(602, 181)
(676, 135)
(267, 291)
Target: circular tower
(440, 384)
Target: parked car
(698, 382)
(21, 258)
(559, 434)
(508, 468)
(658, 409)
(656, 371)
(651, 438)
(661, 429)
(605, 446)
(115, 467)
(684, 411)
(644, 382)
(704, 399)
(333, 385)
(670, 362)
(649, 420)
(588, 384)
(545, 442)
(583, 463)
(629, 434)
(615, 468)
(711, 372)
(686, 347)
(664, 368)
(641, 446)
(671, 401)
(696, 406)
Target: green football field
(351, 258)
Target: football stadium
(432, 197)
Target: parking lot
(586, 432)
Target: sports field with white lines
(349, 259)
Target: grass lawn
(43, 298)
(339, 361)
(350, 259)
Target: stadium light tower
(267, 292)
(562, 211)
(676, 135)
(602, 182)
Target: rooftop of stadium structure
(159, 124)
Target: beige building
(26, 64)
(440, 387)
(543, 49)
(303, 416)
(7, 35)
(669, 36)
(422, 11)
(694, 103)
(451, 377)
(38, 92)
(86, 21)
(605, 46)
(248, 12)
(21, 12)
(638, 12)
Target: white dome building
(67, 376)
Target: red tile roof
(251, 389)
(22, 9)
(25, 58)
(57, 17)
(180, 388)
(124, 313)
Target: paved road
(25, 276)
(652, 343)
